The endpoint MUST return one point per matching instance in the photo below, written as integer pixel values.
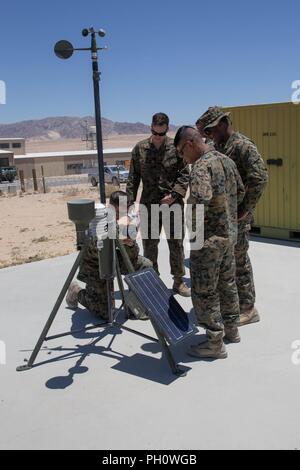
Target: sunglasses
(208, 132)
(160, 134)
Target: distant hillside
(64, 127)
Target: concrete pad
(110, 389)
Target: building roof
(2, 152)
(75, 153)
(10, 139)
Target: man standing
(164, 176)
(204, 135)
(215, 183)
(216, 123)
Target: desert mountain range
(66, 127)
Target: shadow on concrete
(82, 318)
(150, 368)
(82, 352)
(154, 369)
(140, 365)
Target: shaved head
(186, 133)
(189, 144)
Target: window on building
(74, 166)
(89, 164)
(4, 146)
(16, 145)
(4, 161)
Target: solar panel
(160, 304)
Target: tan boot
(72, 295)
(249, 316)
(179, 287)
(232, 333)
(212, 348)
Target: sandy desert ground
(35, 226)
(114, 141)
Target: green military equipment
(81, 212)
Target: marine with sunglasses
(165, 177)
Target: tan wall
(275, 130)
(16, 151)
(60, 166)
(53, 166)
(25, 165)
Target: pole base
(25, 367)
(180, 372)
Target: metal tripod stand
(64, 50)
(113, 314)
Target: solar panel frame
(161, 305)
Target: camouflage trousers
(244, 273)
(142, 263)
(176, 250)
(214, 291)
(94, 296)
(138, 262)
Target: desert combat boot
(180, 287)
(248, 316)
(212, 348)
(72, 295)
(231, 334)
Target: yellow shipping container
(275, 129)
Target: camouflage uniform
(94, 296)
(215, 182)
(254, 176)
(210, 143)
(161, 172)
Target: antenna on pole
(64, 50)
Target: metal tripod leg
(110, 309)
(130, 269)
(53, 313)
(121, 285)
(125, 256)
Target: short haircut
(185, 133)
(160, 119)
(114, 199)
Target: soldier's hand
(169, 199)
(242, 215)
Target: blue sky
(174, 56)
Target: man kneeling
(94, 296)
